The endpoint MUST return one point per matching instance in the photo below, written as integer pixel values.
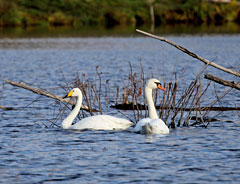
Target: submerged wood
(45, 93)
(143, 107)
(224, 82)
(6, 108)
(190, 53)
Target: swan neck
(67, 122)
(151, 106)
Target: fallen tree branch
(190, 53)
(143, 107)
(45, 93)
(218, 80)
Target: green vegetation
(115, 12)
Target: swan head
(74, 92)
(154, 84)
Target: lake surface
(30, 152)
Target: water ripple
(32, 153)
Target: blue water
(31, 151)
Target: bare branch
(190, 53)
(218, 80)
(41, 92)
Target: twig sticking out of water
(6, 108)
(177, 105)
(179, 47)
(42, 92)
(232, 84)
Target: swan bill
(69, 94)
(159, 86)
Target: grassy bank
(118, 12)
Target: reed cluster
(177, 106)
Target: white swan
(98, 122)
(151, 125)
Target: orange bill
(160, 87)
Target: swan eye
(158, 83)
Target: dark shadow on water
(62, 178)
(65, 31)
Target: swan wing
(102, 122)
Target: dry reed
(177, 106)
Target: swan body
(151, 125)
(98, 122)
(102, 122)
